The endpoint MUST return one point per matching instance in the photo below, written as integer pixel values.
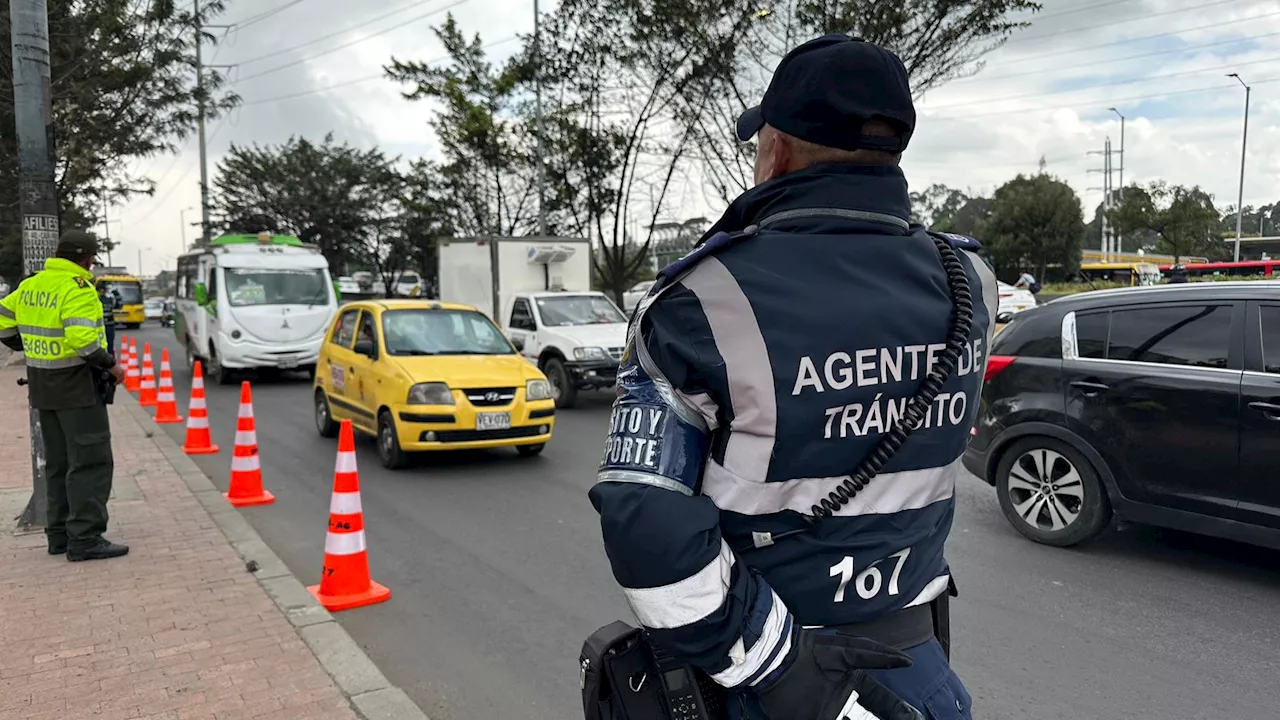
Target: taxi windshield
(567, 310)
(442, 332)
(130, 293)
(260, 286)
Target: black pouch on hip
(618, 677)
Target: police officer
(55, 317)
(763, 368)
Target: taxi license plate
(493, 421)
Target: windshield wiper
(415, 353)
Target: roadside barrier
(246, 468)
(199, 442)
(344, 581)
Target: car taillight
(995, 364)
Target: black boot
(57, 548)
(101, 551)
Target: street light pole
(1244, 144)
(537, 94)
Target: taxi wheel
(566, 393)
(324, 420)
(530, 450)
(393, 458)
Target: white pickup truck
(538, 291)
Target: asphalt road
(497, 575)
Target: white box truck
(538, 290)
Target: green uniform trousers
(78, 469)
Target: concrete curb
(372, 696)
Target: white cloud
(1045, 94)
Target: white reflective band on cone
(346, 463)
(344, 543)
(244, 464)
(166, 397)
(245, 411)
(246, 437)
(148, 385)
(197, 384)
(197, 403)
(345, 503)
(197, 422)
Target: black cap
(824, 90)
(77, 242)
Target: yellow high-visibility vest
(58, 314)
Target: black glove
(826, 671)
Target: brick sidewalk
(178, 629)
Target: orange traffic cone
(344, 581)
(122, 356)
(246, 470)
(132, 379)
(198, 440)
(147, 388)
(166, 403)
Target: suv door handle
(1270, 410)
(1090, 388)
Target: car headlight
(537, 390)
(430, 394)
(590, 353)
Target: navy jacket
(759, 372)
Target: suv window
(1270, 338)
(1091, 334)
(521, 316)
(1036, 335)
(1192, 335)
(346, 329)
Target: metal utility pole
(1120, 190)
(1244, 144)
(1106, 245)
(537, 113)
(37, 194)
(106, 226)
(200, 114)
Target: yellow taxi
(422, 375)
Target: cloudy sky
(309, 67)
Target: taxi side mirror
(365, 347)
(202, 294)
(518, 342)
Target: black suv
(1158, 404)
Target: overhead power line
(1072, 11)
(1113, 23)
(1127, 81)
(357, 81)
(263, 16)
(1128, 41)
(338, 33)
(1097, 103)
(158, 201)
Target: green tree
(1036, 222)
(122, 89)
(487, 168)
(970, 219)
(938, 40)
(1132, 241)
(936, 205)
(335, 196)
(1183, 219)
(618, 76)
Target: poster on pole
(39, 241)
